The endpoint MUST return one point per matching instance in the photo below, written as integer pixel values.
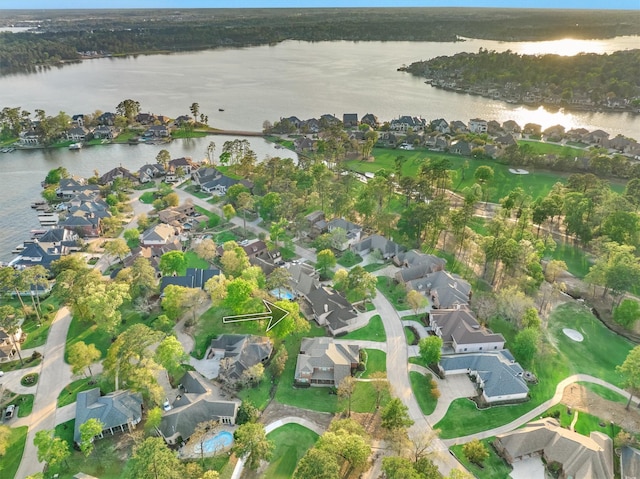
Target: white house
(477, 125)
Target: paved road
(55, 374)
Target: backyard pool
(217, 443)
(282, 294)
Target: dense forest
(588, 76)
(61, 34)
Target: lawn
(542, 148)
(214, 219)
(349, 260)
(147, 197)
(492, 468)
(586, 422)
(36, 335)
(421, 386)
(27, 362)
(364, 399)
(606, 393)
(372, 267)
(395, 293)
(374, 331)
(376, 361)
(411, 337)
(10, 462)
(70, 392)
(24, 403)
(577, 260)
(258, 396)
(292, 442)
(210, 325)
(193, 261)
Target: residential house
(444, 290)
(620, 143)
(316, 223)
(194, 404)
(34, 254)
(350, 120)
(388, 248)
(107, 119)
(496, 375)
(440, 125)
(239, 352)
(477, 125)
(406, 122)
(117, 172)
(506, 140)
(104, 132)
(329, 120)
(554, 133)
(77, 133)
(193, 278)
(578, 455)
(461, 147)
(254, 249)
(442, 143)
(117, 411)
(63, 239)
(576, 134)
(371, 120)
(78, 120)
(597, 137)
(491, 151)
(461, 332)
(494, 128)
(213, 181)
(156, 131)
(8, 342)
(325, 362)
(294, 121)
(352, 231)
(457, 126)
(70, 187)
(29, 138)
(185, 163)
(388, 139)
(305, 144)
(146, 118)
(85, 219)
(415, 264)
(150, 172)
(532, 129)
(182, 119)
(312, 125)
(158, 235)
(511, 126)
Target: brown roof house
(239, 352)
(579, 456)
(196, 403)
(158, 235)
(461, 332)
(324, 362)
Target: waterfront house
(34, 254)
(239, 352)
(29, 138)
(146, 118)
(107, 119)
(532, 129)
(117, 172)
(457, 126)
(117, 411)
(477, 125)
(440, 125)
(78, 120)
(150, 171)
(461, 332)
(371, 120)
(156, 131)
(305, 144)
(324, 362)
(185, 163)
(104, 132)
(460, 147)
(77, 133)
(350, 120)
(597, 137)
(511, 126)
(406, 122)
(70, 187)
(8, 348)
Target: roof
(159, 232)
(387, 247)
(336, 309)
(348, 226)
(460, 325)
(580, 456)
(500, 374)
(630, 462)
(325, 352)
(193, 278)
(244, 350)
(304, 278)
(446, 289)
(113, 409)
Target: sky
(84, 4)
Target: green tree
(88, 431)
(52, 450)
(250, 441)
(172, 262)
(430, 349)
(346, 388)
(10, 323)
(396, 467)
(132, 237)
(346, 445)
(228, 211)
(152, 459)
(326, 260)
(118, 248)
(163, 158)
(318, 464)
(234, 259)
(360, 284)
(128, 108)
(525, 345)
(279, 361)
(247, 412)
(475, 452)
(143, 279)
(395, 415)
(81, 356)
(238, 292)
(416, 300)
(630, 371)
(170, 354)
(154, 418)
(207, 250)
(269, 205)
(245, 202)
(201, 433)
(627, 313)
(217, 289)
(103, 301)
(483, 175)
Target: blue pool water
(220, 441)
(282, 294)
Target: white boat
(75, 146)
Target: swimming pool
(282, 294)
(217, 443)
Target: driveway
(531, 468)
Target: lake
(252, 85)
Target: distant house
(78, 120)
(555, 132)
(458, 126)
(324, 362)
(329, 120)
(597, 137)
(185, 163)
(104, 132)
(117, 172)
(371, 120)
(69, 187)
(440, 125)
(406, 122)
(416, 264)
(532, 129)
(107, 119)
(215, 182)
(507, 140)
(150, 172)
(461, 332)
(578, 455)
(352, 231)
(77, 133)
(194, 404)
(193, 278)
(305, 144)
(29, 138)
(316, 223)
(511, 126)
(158, 235)
(34, 254)
(388, 248)
(146, 118)
(494, 128)
(445, 290)
(8, 341)
(239, 352)
(496, 375)
(350, 120)
(156, 131)
(477, 125)
(460, 147)
(117, 411)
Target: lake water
(253, 85)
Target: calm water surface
(253, 85)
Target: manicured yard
(541, 148)
(421, 386)
(577, 260)
(36, 335)
(70, 392)
(259, 395)
(492, 468)
(24, 403)
(364, 399)
(214, 219)
(395, 293)
(292, 442)
(606, 393)
(147, 197)
(376, 361)
(349, 260)
(586, 422)
(411, 337)
(210, 325)
(195, 191)
(374, 331)
(371, 267)
(10, 462)
(193, 261)
(28, 362)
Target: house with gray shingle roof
(117, 411)
(387, 247)
(241, 351)
(580, 456)
(461, 332)
(629, 462)
(445, 290)
(195, 403)
(352, 231)
(323, 362)
(498, 377)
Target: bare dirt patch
(582, 399)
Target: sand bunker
(516, 171)
(573, 334)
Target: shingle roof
(113, 409)
(244, 350)
(460, 325)
(321, 352)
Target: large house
(579, 456)
(158, 235)
(496, 375)
(195, 403)
(324, 362)
(352, 231)
(117, 411)
(213, 181)
(445, 290)
(404, 123)
(239, 352)
(416, 264)
(477, 125)
(34, 254)
(387, 248)
(461, 332)
(8, 348)
(117, 172)
(193, 278)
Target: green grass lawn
(421, 386)
(187, 134)
(10, 462)
(259, 395)
(577, 260)
(214, 219)
(292, 442)
(27, 362)
(24, 403)
(376, 361)
(586, 423)
(542, 148)
(36, 335)
(195, 191)
(193, 261)
(147, 197)
(395, 293)
(363, 399)
(70, 392)
(493, 467)
(349, 260)
(411, 337)
(374, 331)
(372, 267)
(606, 393)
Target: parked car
(8, 413)
(166, 405)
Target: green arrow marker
(275, 314)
